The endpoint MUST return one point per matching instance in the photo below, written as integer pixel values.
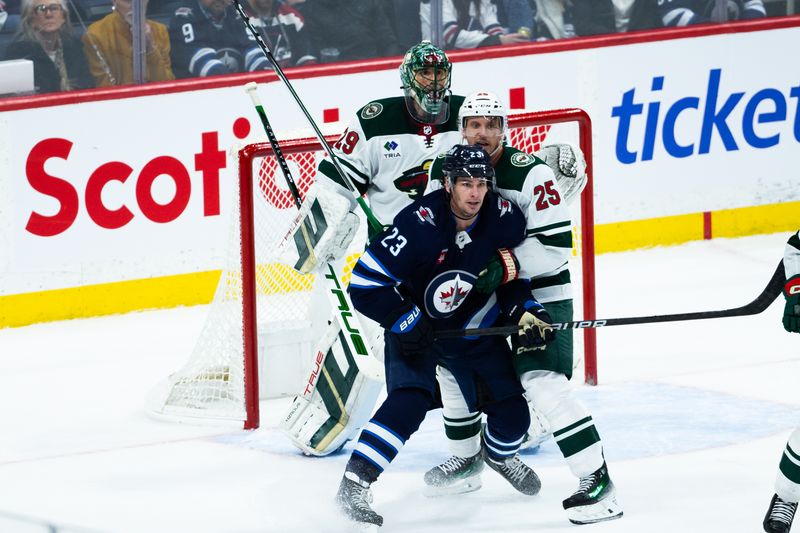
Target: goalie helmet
(468, 160)
(482, 104)
(425, 73)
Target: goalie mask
(425, 73)
(468, 160)
(483, 104)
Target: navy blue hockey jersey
(203, 46)
(422, 259)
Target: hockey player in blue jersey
(416, 278)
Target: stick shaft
(760, 304)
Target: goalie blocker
(342, 388)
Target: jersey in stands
(202, 46)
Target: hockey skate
(779, 515)
(521, 476)
(457, 475)
(353, 499)
(594, 501)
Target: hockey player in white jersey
(787, 485)
(543, 256)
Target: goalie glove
(791, 313)
(501, 268)
(569, 165)
(535, 331)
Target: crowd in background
(77, 44)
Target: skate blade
(470, 484)
(605, 509)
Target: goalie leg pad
(337, 402)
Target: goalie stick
(760, 304)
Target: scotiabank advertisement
(141, 185)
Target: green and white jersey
(387, 154)
(791, 257)
(544, 255)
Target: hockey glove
(413, 329)
(534, 327)
(791, 313)
(501, 268)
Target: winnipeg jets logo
(504, 206)
(451, 298)
(447, 291)
(425, 215)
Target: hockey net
(264, 320)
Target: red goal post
(527, 131)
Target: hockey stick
(762, 301)
(373, 222)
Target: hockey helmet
(482, 104)
(425, 99)
(469, 160)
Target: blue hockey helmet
(468, 160)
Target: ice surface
(694, 417)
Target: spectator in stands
(593, 17)
(519, 15)
(108, 45)
(468, 24)
(675, 13)
(405, 18)
(554, 19)
(45, 37)
(356, 29)
(283, 29)
(208, 38)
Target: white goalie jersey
(387, 155)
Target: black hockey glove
(501, 268)
(791, 313)
(412, 327)
(534, 327)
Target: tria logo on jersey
(689, 124)
(447, 291)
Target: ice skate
(595, 500)
(521, 476)
(353, 499)
(457, 475)
(779, 515)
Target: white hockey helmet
(482, 104)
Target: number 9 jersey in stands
(208, 39)
(385, 151)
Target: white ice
(693, 415)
